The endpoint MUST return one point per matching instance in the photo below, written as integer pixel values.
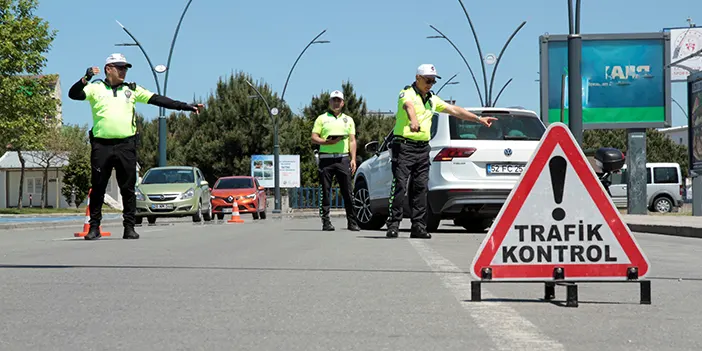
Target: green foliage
(236, 124)
(659, 148)
(25, 95)
(77, 173)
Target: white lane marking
(507, 329)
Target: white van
(664, 187)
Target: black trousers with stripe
(120, 155)
(339, 167)
(409, 161)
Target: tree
(25, 95)
(56, 147)
(234, 125)
(659, 148)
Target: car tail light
(450, 153)
(681, 190)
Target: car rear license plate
(505, 168)
(162, 206)
(227, 210)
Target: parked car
(473, 169)
(173, 192)
(250, 196)
(664, 187)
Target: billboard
(624, 82)
(694, 128)
(683, 43)
(263, 169)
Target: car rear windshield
(506, 127)
(169, 176)
(234, 183)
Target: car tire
(662, 205)
(138, 220)
(433, 221)
(365, 217)
(208, 215)
(151, 219)
(477, 225)
(197, 217)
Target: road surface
(282, 284)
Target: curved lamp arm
(151, 66)
(282, 97)
(497, 63)
(268, 107)
(501, 90)
(464, 60)
(170, 53)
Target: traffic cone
(235, 214)
(86, 224)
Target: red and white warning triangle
(559, 215)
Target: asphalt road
(282, 284)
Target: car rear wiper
(519, 137)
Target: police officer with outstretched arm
(113, 137)
(335, 133)
(410, 148)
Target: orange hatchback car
(249, 196)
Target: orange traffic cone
(86, 224)
(235, 214)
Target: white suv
(473, 169)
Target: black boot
(419, 233)
(93, 233)
(392, 232)
(327, 226)
(353, 226)
(129, 233)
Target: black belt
(402, 140)
(326, 155)
(115, 141)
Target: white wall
(9, 185)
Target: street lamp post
(488, 102)
(448, 82)
(274, 120)
(162, 132)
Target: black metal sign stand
(571, 285)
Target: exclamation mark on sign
(558, 166)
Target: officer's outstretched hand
(197, 107)
(487, 120)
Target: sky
(376, 45)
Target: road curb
(683, 231)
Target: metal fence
(308, 197)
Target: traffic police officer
(113, 137)
(335, 133)
(410, 148)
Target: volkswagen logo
(508, 152)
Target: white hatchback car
(473, 169)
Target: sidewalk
(687, 226)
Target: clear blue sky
(377, 45)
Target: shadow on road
(560, 303)
(66, 266)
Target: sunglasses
(429, 81)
